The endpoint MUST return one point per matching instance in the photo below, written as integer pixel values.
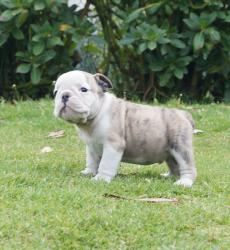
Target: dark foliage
(151, 49)
(157, 49)
(38, 41)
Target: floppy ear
(103, 81)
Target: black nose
(65, 98)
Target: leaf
(38, 5)
(198, 41)
(164, 49)
(178, 43)
(227, 18)
(56, 134)
(20, 20)
(164, 79)
(23, 68)
(192, 22)
(142, 47)
(90, 47)
(55, 9)
(35, 27)
(214, 34)
(135, 14)
(46, 149)
(3, 38)
(47, 56)
(208, 18)
(181, 62)
(150, 200)
(168, 10)
(17, 34)
(8, 3)
(6, 16)
(156, 66)
(36, 38)
(152, 45)
(20, 54)
(24, 56)
(163, 40)
(178, 73)
(127, 40)
(64, 27)
(53, 41)
(35, 75)
(38, 48)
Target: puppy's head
(78, 95)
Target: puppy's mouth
(62, 110)
(66, 110)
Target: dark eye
(55, 93)
(84, 89)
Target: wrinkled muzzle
(71, 109)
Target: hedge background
(151, 50)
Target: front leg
(109, 164)
(92, 162)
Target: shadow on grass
(145, 175)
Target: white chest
(95, 138)
(94, 142)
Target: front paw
(102, 177)
(88, 171)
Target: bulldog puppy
(115, 130)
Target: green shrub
(164, 48)
(154, 49)
(38, 40)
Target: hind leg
(186, 167)
(179, 136)
(173, 168)
(182, 151)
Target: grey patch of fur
(116, 130)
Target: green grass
(46, 204)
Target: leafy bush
(38, 40)
(154, 49)
(164, 48)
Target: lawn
(45, 203)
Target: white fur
(186, 176)
(184, 182)
(95, 143)
(114, 130)
(109, 164)
(80, 105)
(92, 162)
